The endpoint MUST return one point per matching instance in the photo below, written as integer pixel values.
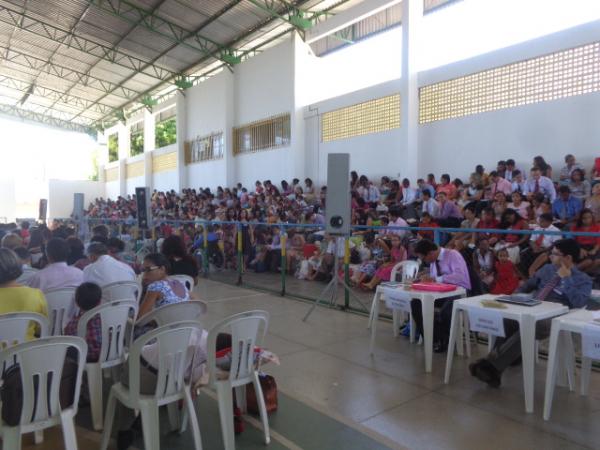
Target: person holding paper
(445, 266)
(559, 282)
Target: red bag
(269, 389)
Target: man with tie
(559, 282)
(445, 266)
(499, 184)
(538, 183)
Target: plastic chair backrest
(41, 363)
(14, 327)
(61, 307)
(176, 312)
(248, 330)
(174, 356)
(186, 280)
(121, 290)
(409, 269)
(113, 317)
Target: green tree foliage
(166, 132)
(137, 143)
(113, 147)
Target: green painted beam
(131, 13)
(52, 94)
(30, 116)
(231, 44)
(298, 18)
(149, 92)
(65, 73)
(9, 14)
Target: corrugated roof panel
(145, 81)
(206, 7)
(182, 15)
(137, 84)
(113, 100)
(146, 42)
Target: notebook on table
(519, 299)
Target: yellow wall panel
(135, 169)
(162, 163)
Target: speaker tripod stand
(329, 294)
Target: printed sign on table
(397, 299)
(486, 320)
(590, 341)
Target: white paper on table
(486, 320)
(397, 299)
(590, 341)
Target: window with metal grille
(113, 147)
(262, 135)
(575, 71)
(166, 127)
(373, 116)
(204, 148)
(136, 138)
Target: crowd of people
(480, 259)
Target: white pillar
(124, 133)
(181, 137)
(149, 131)
(230, 178)
(412, 14)
(122, 177)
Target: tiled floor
(388, 398)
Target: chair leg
(193, 419)
(108, 420)
(38, 437)
(240, 398)
(586, 369)
(94, 376)
(11, 438)
(226, 414)
(150, 426)
(260, 399)
(395, 322)
(173, 412)
(68, 428)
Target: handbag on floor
(269, 389)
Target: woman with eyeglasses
(160, 290)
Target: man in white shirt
(104, 268)
(25, 260)
(429, 204)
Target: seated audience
(483, 262)
(429, 205)
(537, 183)
(545, 168)
(105, 269)
(396, 253)
(593, 203)
(506, 277)
(519, 205)
(559, 282)
(579, 186)
(567, 170)
(590, 258)
(566, 207)
(447, 187)
(160, 290)
(25, 260)
(445, 266)
(57, 274)
(499, 184)
(15, 297)
(181, 263)
(77, 256)
(12, 241)
(87, 297)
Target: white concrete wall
(264, 87)
(134, 182)
(207, 113)
(112, 189)
(375, 154)
(552, 129)
(8, 200)
(60, 195)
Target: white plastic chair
(174, 357)
(176, 312)
(121, 290)
(114, 317)
(61, 308)
(14, 327)
(409, 270)
(41, 362)
(246, 334)
(186, 280)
